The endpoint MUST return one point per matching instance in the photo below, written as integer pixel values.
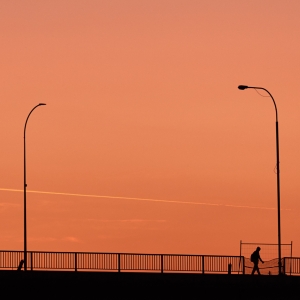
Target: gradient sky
(143, 105)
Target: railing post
(229, 269)
(75, 258)
(119, 262)
(202, 264)
(31, 262)
(243, 265)
(162, 262)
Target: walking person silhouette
(255, 258)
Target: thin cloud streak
(143, 199)
(5, 204)
(127, 221)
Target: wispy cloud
(42, 239)
(52, 239)
(71, 239)
(127, 221)
(5, 205)
(145, 199)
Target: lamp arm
(261, 88)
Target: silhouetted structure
(20, 265)
(243, 87)
(138, 262)
(25, 186)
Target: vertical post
(25, 186)
(243, 265)
(229, 269)
(162, 263)
(278, 198)
(119, 262)
(291, 258)
(31, 261)
(203, 270)
(25, 214)
(240, 247)
(240, 256)
(75, 261)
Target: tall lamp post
(243, 87)
(25, 185)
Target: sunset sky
(146, 145)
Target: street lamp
(25, 185)
(243, 87)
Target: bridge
(143, 276)
(136, 262)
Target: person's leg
(255, 268)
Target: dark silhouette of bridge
(137, 262)
(143, 276)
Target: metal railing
(291, 265)
(118, 262)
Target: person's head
(258, 249)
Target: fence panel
(10, 259)
(140, 262)
(219, 264)
(97, 261)
(291, 265)
(183, 263)
(52, 260)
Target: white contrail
(140, 199)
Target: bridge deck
(113, 285)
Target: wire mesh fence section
(140, 262)
(268, 252)
(270, 267)
(213, 264)
(97, 261)
(183, 263)
(10, 259)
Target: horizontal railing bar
(127, 253)
(266, 244)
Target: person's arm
(261, 260)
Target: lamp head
(242, 87)
(42, 103)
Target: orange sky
(142, 102)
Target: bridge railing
(118, 262)
(291, 265)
